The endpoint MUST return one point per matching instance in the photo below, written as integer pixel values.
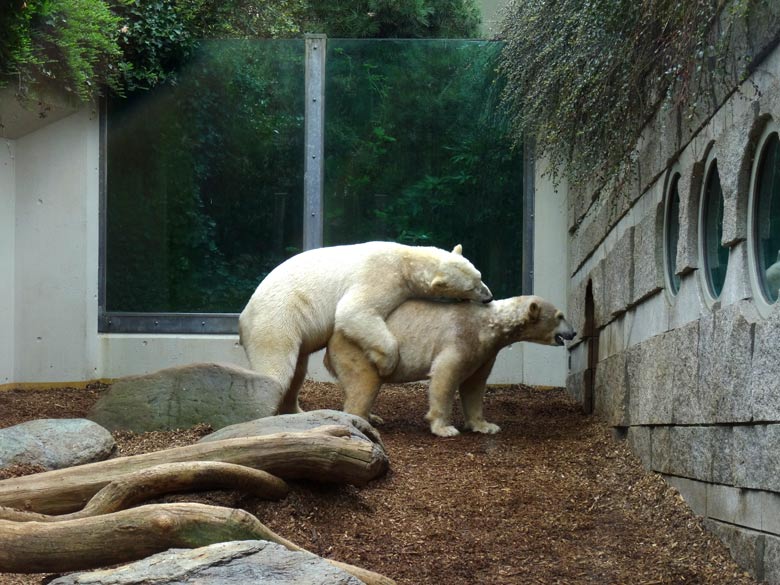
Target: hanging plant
(584, 77)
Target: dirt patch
(552, 499)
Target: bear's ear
(534, 310)
(458, 249)
(438, 282)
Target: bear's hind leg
(272, 355)
(356, 374)
(289, 404)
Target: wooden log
(327, 454)
(141, 486)
(128, 535)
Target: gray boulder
(180, 397)
(303, 421)
(55, 443)
(225, 563)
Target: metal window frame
(149, 323)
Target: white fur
(453, 344)
(350, 289)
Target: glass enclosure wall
(716, 255)
(204, 175)
(672, 231)
(767, 217)
(417, 153)
(204, 180)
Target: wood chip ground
(552, 499)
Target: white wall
(56, 245)
(546, 366)
(7, 205)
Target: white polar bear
(350, 289)
(453, 344)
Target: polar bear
(453, 344)
(349, 289)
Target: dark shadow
(590, 337)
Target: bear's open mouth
(558, 339)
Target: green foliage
(83, 46)
(155, 39)
(584, 77)
(393, 18)
(204, 200)
(417, 153)
(70, 45)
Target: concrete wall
(56, 243)
(694, 384)
(7, 215)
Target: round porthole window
(672, 234)
(764, 205)
(714, 255)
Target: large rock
(55, 443)
(225, 563)
(290, 423)
(180, 397)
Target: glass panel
(205, 180)
(673, 233)
(417, 152)
(767, 218)
(716, 256)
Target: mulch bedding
(551, 499)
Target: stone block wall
(693, 382)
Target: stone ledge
(758, 553)
(744, 457)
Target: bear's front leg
(367, 329)
(441, 393)
(472, 397)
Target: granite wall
(692, 382)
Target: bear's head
(539, 321)
(456, 278)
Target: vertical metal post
(529, 223)
(314, 137)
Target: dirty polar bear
(453, 344)
(350, 289)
